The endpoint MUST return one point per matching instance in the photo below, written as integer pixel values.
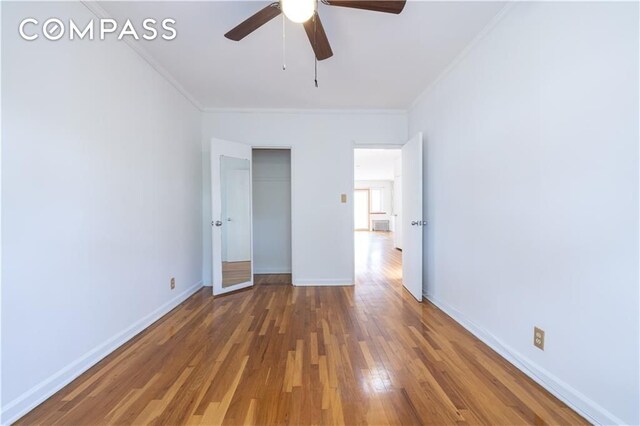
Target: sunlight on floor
(374, 253)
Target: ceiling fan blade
(318, 38)
(254, 22)
(387, 6)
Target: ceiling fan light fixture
(298, 11)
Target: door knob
(414, 222)
(218, 223)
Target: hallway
(279, 354)
(377, 263)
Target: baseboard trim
(45, 389)
(576, 400)
(323, 282)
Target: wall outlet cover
(538, 338)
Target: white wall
(322, 169)
(387, 198)
(532, 197)
(271, 211)
(101, 196)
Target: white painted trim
(304, 111)
(97, 10)
(359, 145)
(293, 173)
(1, 328)
(323, 282)
(271, 271)
(352, 208)
(20, 406)
(100, 12)
(576, 400)
(464, 53)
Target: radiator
(380, 225)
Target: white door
(231, 216)
(412, 220)
(236, 216)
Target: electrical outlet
(538, 338)
(173, 283)
(343, 198)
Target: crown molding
(305, 111)
(99, 12)
(464, 53)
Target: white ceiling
(375, 164)
(380, 60)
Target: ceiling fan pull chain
(315, 31)
(284, 47)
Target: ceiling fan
(306, 13)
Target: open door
(231, 212)
(412, 221)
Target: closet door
(231, 212)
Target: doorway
(377, 214)
(393, 176)
(271, 176)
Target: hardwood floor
(272, 279)
(278, 354)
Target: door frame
(358, 145)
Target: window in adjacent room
(376, 200)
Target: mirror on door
(235, 192)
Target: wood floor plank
(278, 354)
